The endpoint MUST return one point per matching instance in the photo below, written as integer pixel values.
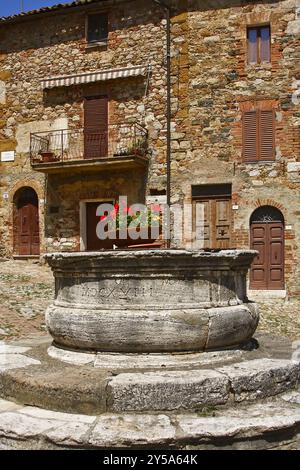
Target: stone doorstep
(273, 424)
(260, 295)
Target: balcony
(121, 147)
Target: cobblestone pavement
(26, 289)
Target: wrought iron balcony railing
(68, 145)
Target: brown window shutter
(267, 135)
(250, 141)
(96, 126)
(96, 114)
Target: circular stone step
(30, 376)
(121, 362)
(270, 425)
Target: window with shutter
(96, 127)
(259, 44)
(97, 28)
(267, 140)
(258, 135)
(250, 136)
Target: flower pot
(129, 241)
(48, 157)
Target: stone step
(58, 386)
(269, 425)
(189, 390)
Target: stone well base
(238, 399)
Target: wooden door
(267, 271)
(95, 127)
(93, 242)
(28, 239)
(212, 222)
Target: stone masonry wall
(55, 45)
(211, 83)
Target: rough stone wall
(56, 45)
(212, 82)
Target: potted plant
(48, 156)
(132, 223)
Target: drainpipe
(167, 10)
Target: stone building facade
(235, 198)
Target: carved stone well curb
(151, 301)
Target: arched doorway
(267, 237)
(26, 222)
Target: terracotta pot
(131, 241)
(48, 157)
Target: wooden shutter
(96, 127)
(267, 135)
(250, 143)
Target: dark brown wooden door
(212, 221)
(93, 242)
(267, 271)
(28, 227)
(95, 127)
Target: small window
(259, 135)
(259, 44)
(97, 28)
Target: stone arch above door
(267, 237)
(267, 214)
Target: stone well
(151, 301)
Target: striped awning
(91, 77)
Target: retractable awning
(96, 76)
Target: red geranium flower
(103, 217)
(116, 206)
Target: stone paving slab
(47, 414)
(11, 349)
(15, 361)
(18, 426)
(8, 406)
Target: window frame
(100, 42)
(258, 29)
